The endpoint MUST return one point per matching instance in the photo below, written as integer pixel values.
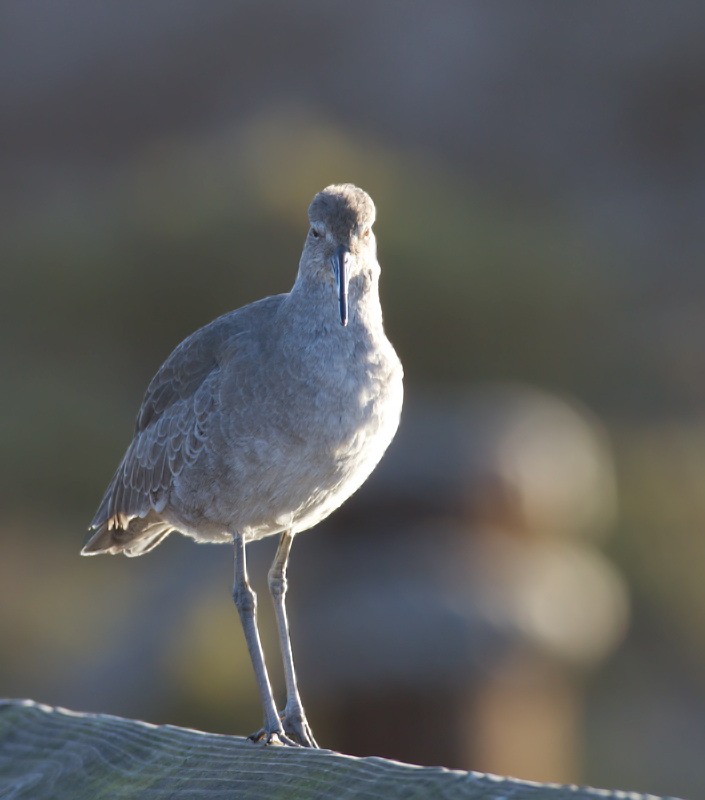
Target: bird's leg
(246, 603)
(294, 719)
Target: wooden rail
(58, 754)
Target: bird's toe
(273, 737)
(297, 728)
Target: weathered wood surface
(53, 753)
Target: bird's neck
(316, 302)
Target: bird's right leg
(246, 603)
(294, 718)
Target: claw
(273, 737)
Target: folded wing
(170, 432)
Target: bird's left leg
(294, 719)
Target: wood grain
(53, 753)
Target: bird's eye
(314, 233)
(367, 232)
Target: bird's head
(340, 245)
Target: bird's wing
(171, 428)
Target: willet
(264, 422)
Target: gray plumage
(268, 418)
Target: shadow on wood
(53, 753)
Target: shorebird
(263, 422)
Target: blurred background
(519, 587)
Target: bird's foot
(297, 728)
(273, 737)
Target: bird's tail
(139, 537)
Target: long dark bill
(341, 270)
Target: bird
(262, 423)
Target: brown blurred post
(479, 600)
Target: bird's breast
(361, 412)
(297, 447)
